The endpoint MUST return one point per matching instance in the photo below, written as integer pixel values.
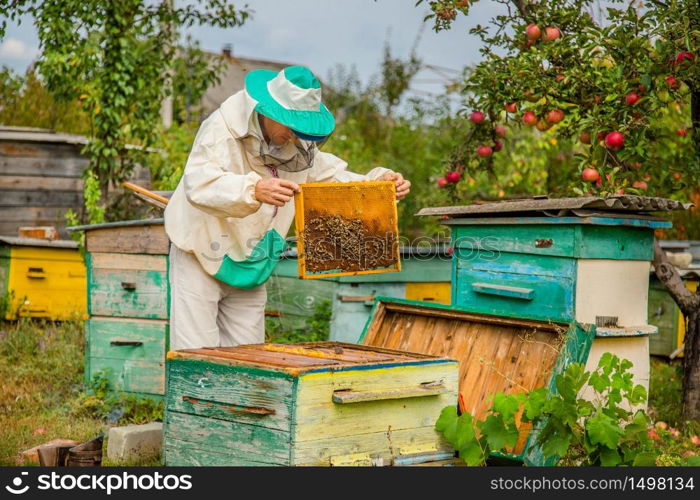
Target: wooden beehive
(41, 278)
(346, 229)
(126, 335)
(324, 403)
(495, 353)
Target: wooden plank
(102, 260)
(38, 197)
(130, 375)
(186, 436)
(24, 182)
(317, 416)
(382, 447)
(109, 338)
(26, 215)
(545, 239)
(617, 243)
(234, 386)
(148, 239)
(48, 166)
(128, 293)
(350, 397)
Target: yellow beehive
(42, 278)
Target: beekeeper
(228, 218)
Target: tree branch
(671, 279)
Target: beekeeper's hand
(275, 191)
(402, 185)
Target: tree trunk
(689, 305)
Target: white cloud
(14, 49)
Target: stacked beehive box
(582, 259)
(126, 334)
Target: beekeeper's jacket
(213, 212)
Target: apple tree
(621, 86)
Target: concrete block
(134, 441)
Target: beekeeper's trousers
(206, 312)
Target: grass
(42, 395)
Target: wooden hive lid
(304, 357)
(495, 353)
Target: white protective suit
(214, 220)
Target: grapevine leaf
(556, 445)
(603, 430)
(609, 458)
(472, 454)
(464, 431)
(506, 405)
(497, 433)
(535, 403)
(447, 416)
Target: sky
(320, 34)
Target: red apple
(543, 125)
(559, 78)
(601, 135)
(590, 174)
(653, 434)
(631, 99)
(585, 137)
(640, 185)
(484, 151)
(615, 140)
(647, 177)
(636, 165)
(676, 176)
(533, 31)
(682, 132)
(511, 107)
(620, 191)
(529, 118)
(695, 439)
(555, 116)
(685, 57)
(497, 145)
(672, 82)
(500, 130)
(453, 177)
(551, 33)
(442, 182)
(661, 425)
(477, 117)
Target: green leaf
(535, 403)
(506, 405)
(448, 415)
(497, 433)
(603, 430)
(556, 445)
(693, 461)
(464, 431)
(599, 382)
(472, 454)
(645, 459)
(609, 458)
